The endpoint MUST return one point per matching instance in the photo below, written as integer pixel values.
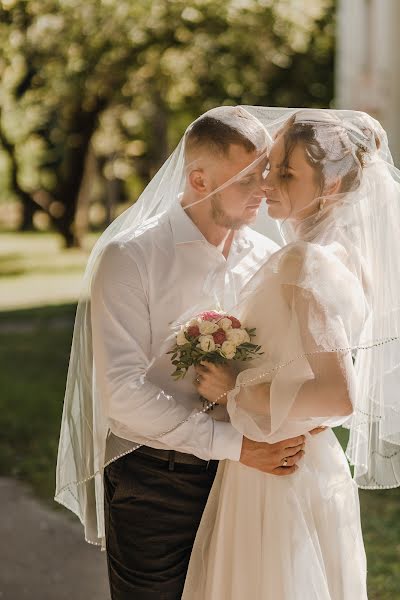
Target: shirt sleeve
(133, 406)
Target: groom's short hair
(220, 127)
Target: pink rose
(236, 324)
(193, 331)
(210, 315)
(219, 336)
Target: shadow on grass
(33, 366)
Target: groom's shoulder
(143, 237)
(136, 247)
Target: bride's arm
(329, 392)
(328, 388)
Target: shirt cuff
(227, 442)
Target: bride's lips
(270, 201)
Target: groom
(155, 496)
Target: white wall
(368, 62)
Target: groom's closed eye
(247, 181)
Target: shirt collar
(183, 228)
(185, 231)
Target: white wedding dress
(297, 537)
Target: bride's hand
(214, 381)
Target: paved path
(42, 552)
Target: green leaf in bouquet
(179, 374)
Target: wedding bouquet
(214, 337)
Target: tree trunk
(158, 150)
(113, 197)
(71, 177)
(29, 206)
(28, 210)
(82, 211)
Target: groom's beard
(222, 218)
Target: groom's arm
(134, 406)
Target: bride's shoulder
(301, 261)
(291, 259)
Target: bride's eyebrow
(284, 166)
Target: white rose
(206, 343)
(181, 339)
(237, 336)
(225, 324)
(193, 322)
(208, 327)
(228, 349)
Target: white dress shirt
(142, 285)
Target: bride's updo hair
(335, 149)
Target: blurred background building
(368, 62)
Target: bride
(318, 305)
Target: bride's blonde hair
(334, 151)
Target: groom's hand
(270, 458)
(317, 430)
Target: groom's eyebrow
(251, 174)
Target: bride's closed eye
(285, 175)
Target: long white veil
(84, 449)
(364, 223)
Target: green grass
(34, 350)
(32, 379)
(35, 270)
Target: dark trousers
(151, 517)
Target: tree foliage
(122, 79)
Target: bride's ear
(198, 181)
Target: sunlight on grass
(35, 270)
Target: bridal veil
(340, 270)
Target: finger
(282, 471)
(212, 366)
(292, 442)
(317, 430)
(292, 460)
(291, 451)
(208, 366)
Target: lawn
(35, 270)
(34, 349)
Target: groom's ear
(198, 181)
